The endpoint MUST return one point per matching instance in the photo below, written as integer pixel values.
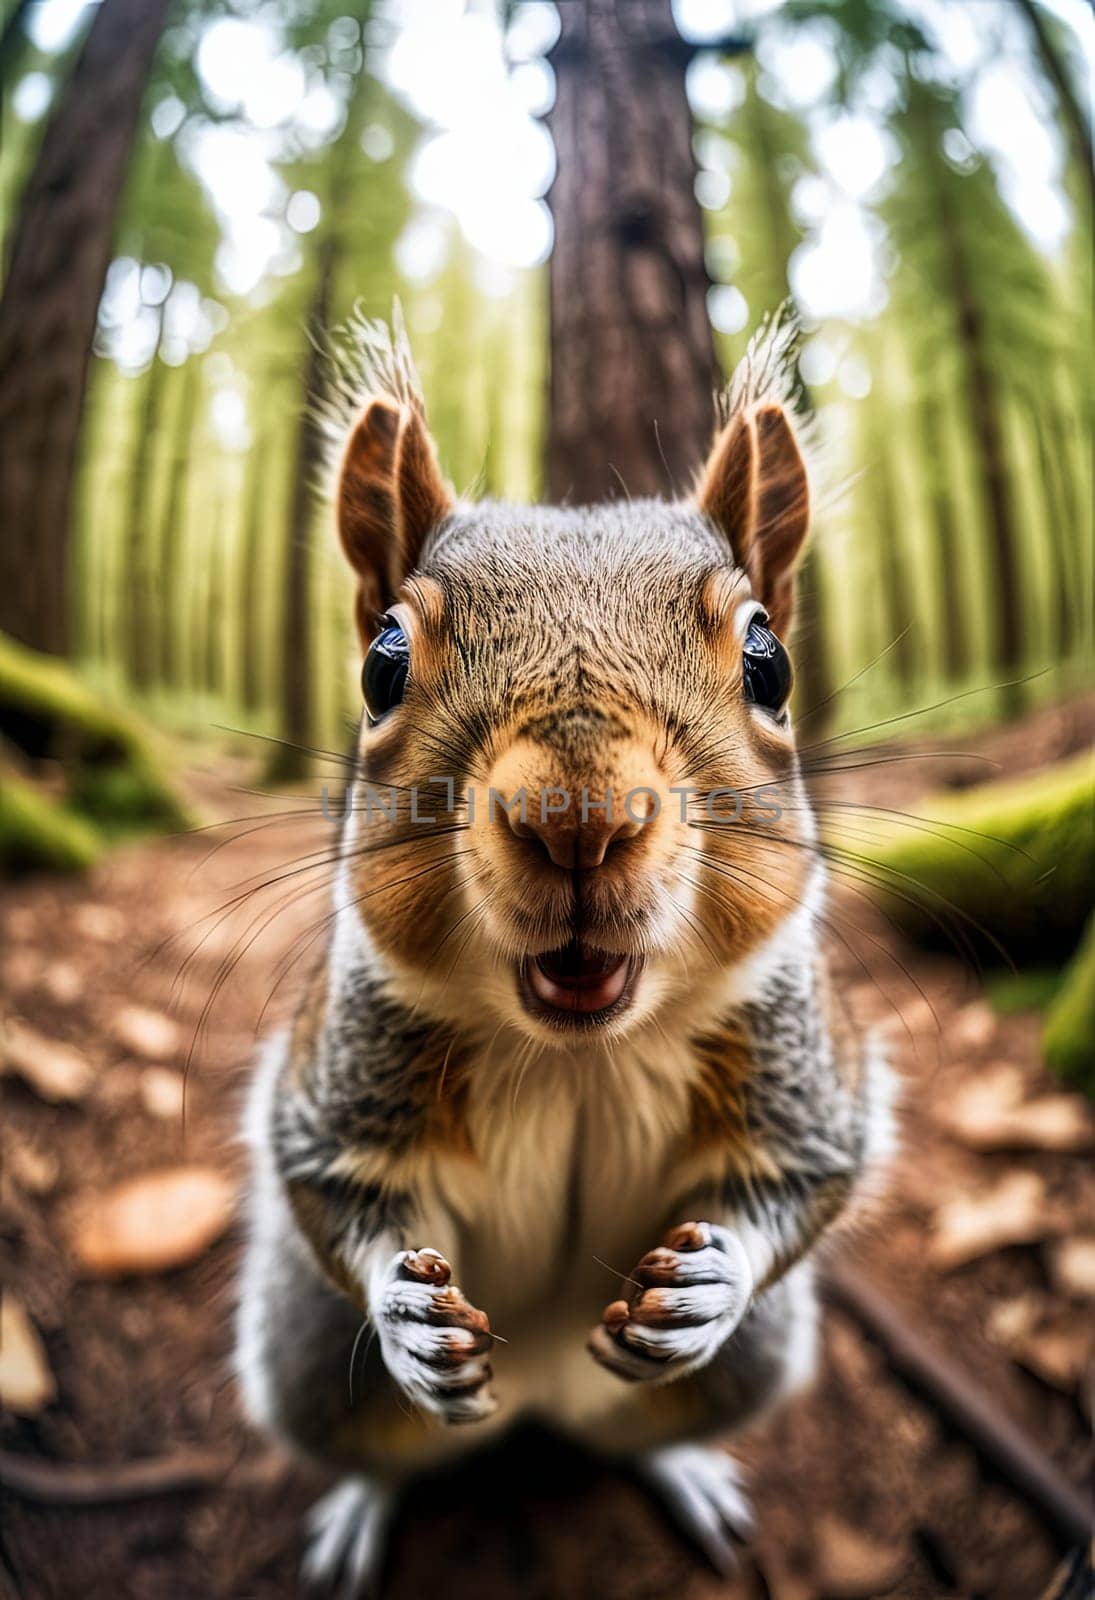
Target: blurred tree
(971, 287)
(633, 364)
(13, 38)
(172, 527)
(1048, 41)
(772, 149)
(251, 550)
(59, 255)
(336, 183)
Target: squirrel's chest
(575, 1163)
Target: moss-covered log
(1005, 868)
(37, 834)
(1068, 1042)
(94, 760)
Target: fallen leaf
(102, 923)
(1010, 1321)
(26, 1382)
(1013, 1211)
(153, 1223)
(1060, 1353)
(63, 983)
(990, 1113)
(974, 1026)
(1072, 1267)
(34, 1170)
(851, 1566)
(782, 1581)
(21, 969)
(162, 1092)
(1056, 1346)
(54, 1071)
(146, 1033)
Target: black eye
(766, 668)
(384, 675)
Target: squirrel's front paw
(435, 1343)
(690, 1295)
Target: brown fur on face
(582, 650)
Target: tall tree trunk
(933, 447)
(813, 685)
(139, 541)
(170, 546)
(892, 599)
(1056, 67)
(633, 365)
(213, 654)
(985, 420)
(1058, 523)
(250, 629)
(295, 691)
(61, 250)
(295, 647)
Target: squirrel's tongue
(577, 978)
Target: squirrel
(573, 1010)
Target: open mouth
(577, 985)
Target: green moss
(1068, 1042)
(111, 768)
(1005, 867)
(37, 834)
(1032, 990)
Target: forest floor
(861, 1489)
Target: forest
(917, 184)
(205, 207)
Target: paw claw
(615, 1315)
(688, 1236)
(426, 1266)
(694, 1290)
(435, 1343)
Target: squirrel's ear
(754, 488)
(390, 495)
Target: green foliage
(1068, 1042)
(37, 833)
(110, 769)
(1005, 867)
(1033, 989)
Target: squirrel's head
(577, 797)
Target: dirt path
(860, 1491)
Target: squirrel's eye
(384, 674)
(766, 668)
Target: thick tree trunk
(296, 659)
(61, 250)
(633, 365)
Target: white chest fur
(574, 1161)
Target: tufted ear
(390, 496)
(754, 488)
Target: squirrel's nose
(573, 841)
